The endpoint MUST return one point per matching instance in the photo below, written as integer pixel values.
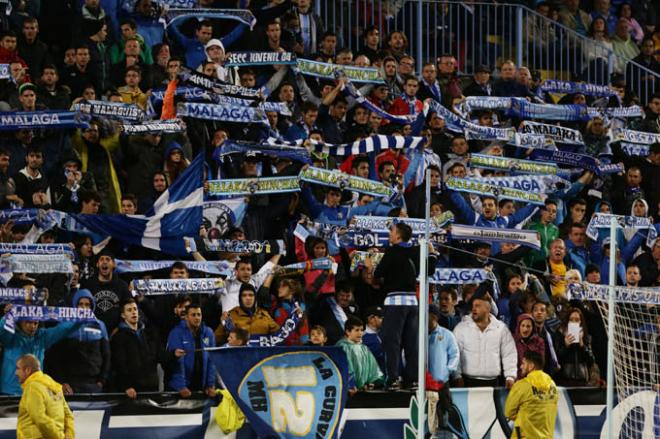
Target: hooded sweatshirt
(531, 343)
(532, 401)
(43, 412)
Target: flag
(176, 214)
(295, 392)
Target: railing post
(519, 36)
(419, 39)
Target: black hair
(353, 322)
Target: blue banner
(524, 109)
(12, 120)
(46, 314)
(555, 86)
(36, 249)
(214, 85)
(19, 216)
(220, 268)
(287, 392)
(239, 59)
(225, 113)
(111, 110)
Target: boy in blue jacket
(193, 371)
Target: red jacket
(10, 56)
(400, 107)
(328, 286)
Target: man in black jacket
(397, 272)
(136, 352)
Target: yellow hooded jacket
(43, 411)
(532, 402)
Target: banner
(527, 238)
(31, 263)
(616, 112)
(543, 184)
(555, 86)
(30, 120)
(159, 287)
(327, 71)
(278, 107)
(487, 103)
(242, 246)
(603, 220)
(631, 136)
(5, 71)
(225, 113)
(220, 215)
(637, 296)
(34, 296)
(253, 186)
(157, 127)
(500, 192)
(554, 132)
(522, 108)
(574, 159)
(287, 392)
(37, 249)
(277, 339)
(375, 143)
(111, 110)
(184, 9)
(511, 165)
(187, 93)
(35, 313)
(361, 238)
(340, 180)
(635, 149)
(218, 268)
(294, 153)
(211, 84)
(385, 223)
(460, 276)
(240, 59)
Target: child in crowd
(371, 337)
(237, 337)
(363, 369)
(317, 336)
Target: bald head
(26, 365)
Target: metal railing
(485, 33)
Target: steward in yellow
(43, 411)
(532, 401)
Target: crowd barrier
(478, 413)
(485, 33)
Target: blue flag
(287, 392)
(176, 214)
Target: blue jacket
(579, 257)
(443, 354)
(373, 341)
(18, 344)
(195, 51)
(182, 369)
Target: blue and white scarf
(640, 296)
(529, 140)
(631, 136)
(294, 153)
(385, 223)
(635, 149)
(35, 313)
(241, 246)
(156, 127)
(375, 143)
(575, 160)
(240, 59)
(33, 263)
(278, 107)
(602, 221)
(223, 113)
(527, 238)
(214, 85)
(524, 109)
(554, 132)
(244, 16)
(343, 181)
(616, 112)
(353, 92)
(111, 110)
(36, 249)
(219, 268)
(460, 276)
(253, 186)
(277, 339)
(555, 86)
(457, 124)
(328, 71)
(519, 166)
(362, 238)
(359, 258)
(188, 93)
(159, 287)
(544, 184)
(30, 120)
(34, 296)
(21, 216)
(499, 192)
(486, 103)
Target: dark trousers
(473, 382)
(400, 327)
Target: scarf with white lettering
(277, 339)
(602, 221)
(457, 124)
(385, 223)
(499, 192)
(178, 13)
(634, 143)
(159, 287)
(575, 160)
(353, 92)
(242, 246)
(633, 295)
(343, 181)
(240, 59)
(36, 249)
(527, 238)
(544, 184)
(22, 216)
(111, 110)
(555, 86)
(155, 127)
(375, 143)
(529, 140)
(327, 71)
(35, 296)
(486, 103)
(35, 313)
(295, 153)
(35, 263)
(615, 112)
(214, 85)
(465, 276)
(225, 113)
(253, 186)
(522, 108)
(219, 268)
(519, 166)
(554, 132)
(30, 120)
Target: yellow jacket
(43, 411)
(532, 402)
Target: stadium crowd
(63, 53)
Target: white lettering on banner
(644, 400)
(289, 376)
(295, 417)
(33, 119)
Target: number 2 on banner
(295, 416)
